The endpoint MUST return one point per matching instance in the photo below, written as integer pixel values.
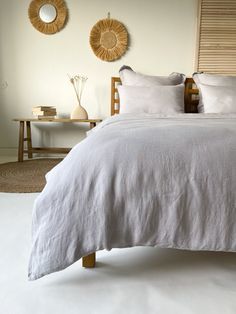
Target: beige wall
(34, 66)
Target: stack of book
(44, 112)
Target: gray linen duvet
(138, 180)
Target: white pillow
(218, 99)
(129, 77)
(157, 99)
(214, 80)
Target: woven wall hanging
(48, 16)
(108, 39)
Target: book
(39, 108)
(44, 113)
(46, 117)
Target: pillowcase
(129, 77)
(218, 99)
(157, 99)
(214, 80)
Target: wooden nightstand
(25, 125)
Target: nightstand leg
(29, 139)
(89, 261)
(21, 141)
(92, 125)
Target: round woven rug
(25, 177)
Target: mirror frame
(48, 28)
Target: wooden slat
(51, 150)
(217, 40)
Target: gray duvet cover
(139, 180)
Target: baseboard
(12, 152)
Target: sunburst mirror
(48, 16)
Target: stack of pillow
(151, 94)
(217, 93)
(141, 93)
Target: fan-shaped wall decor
(48, 16)
(109, 39)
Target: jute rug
(25, 177)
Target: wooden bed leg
(89, 261)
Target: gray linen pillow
(129, 77)
(213, 80)
(218, 99)
(156, 99)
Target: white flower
(78, 82)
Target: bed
(140, 180)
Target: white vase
(79, 113)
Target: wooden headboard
(190, 96)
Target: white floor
(129, 281)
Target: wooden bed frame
(190, 101)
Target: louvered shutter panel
(217, 37)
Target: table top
(56, 120)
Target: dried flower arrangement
(78, 82)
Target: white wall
(34, 66)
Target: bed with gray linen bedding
(139, 180)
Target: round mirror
(48, 16)
(48, 13)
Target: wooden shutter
(217, 37)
